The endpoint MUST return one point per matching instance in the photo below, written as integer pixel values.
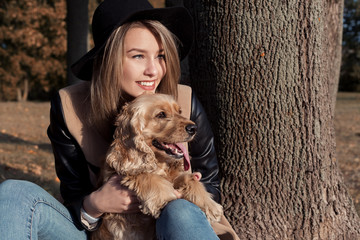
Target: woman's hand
(197, 176)
(112, 197)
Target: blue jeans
(180, 220)
(29, 212)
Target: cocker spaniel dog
(148, 152)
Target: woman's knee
(181, 212)
(181, 209)
(18, 189)
(9, 186)
(181, 219)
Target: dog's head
(149, 129)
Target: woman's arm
(70, 163)
(73, 172)
(202, 150)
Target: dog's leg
(153, 191)
(194, 191)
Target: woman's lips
(146, 85)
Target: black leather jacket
(73, 169)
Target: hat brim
(176, 19)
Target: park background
(33, 48)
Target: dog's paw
(155, 195)
(193, 190)
(213, 210)
(153, 206)
(186, 181)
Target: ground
(25, 151)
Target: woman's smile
(147, 85)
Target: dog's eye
(161, 115)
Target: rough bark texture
(333, 43)
(77, 23)
(267, 73)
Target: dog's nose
(191, 129)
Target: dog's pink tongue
(186, 156)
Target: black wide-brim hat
(110, 14)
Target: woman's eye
(161, 115)
(161, 56)
(139, 56)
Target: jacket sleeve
(70, 163)
(202, 150)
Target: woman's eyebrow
(136, 50)
(142, 50)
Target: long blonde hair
(106, 92)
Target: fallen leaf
(36, 169)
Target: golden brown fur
(152, 173)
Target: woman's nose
(151, 68)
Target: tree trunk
(26, 90)
(332, 42)
(22, 96)
(267, 74)
(77, 20)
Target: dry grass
(25, 151)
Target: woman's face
(144, 62)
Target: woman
(134, 52)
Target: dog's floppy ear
(129, 127)
(122, 122)
(137, 125)
(129, 151)
(117, 153)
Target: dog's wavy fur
(152, 173)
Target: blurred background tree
(350, 69)
(77, 27)
(32, 48)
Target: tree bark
(333, 42)
(267, 74)
(77, 20)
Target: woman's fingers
(197, 176)
(113, 197)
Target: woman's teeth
(147, 84)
